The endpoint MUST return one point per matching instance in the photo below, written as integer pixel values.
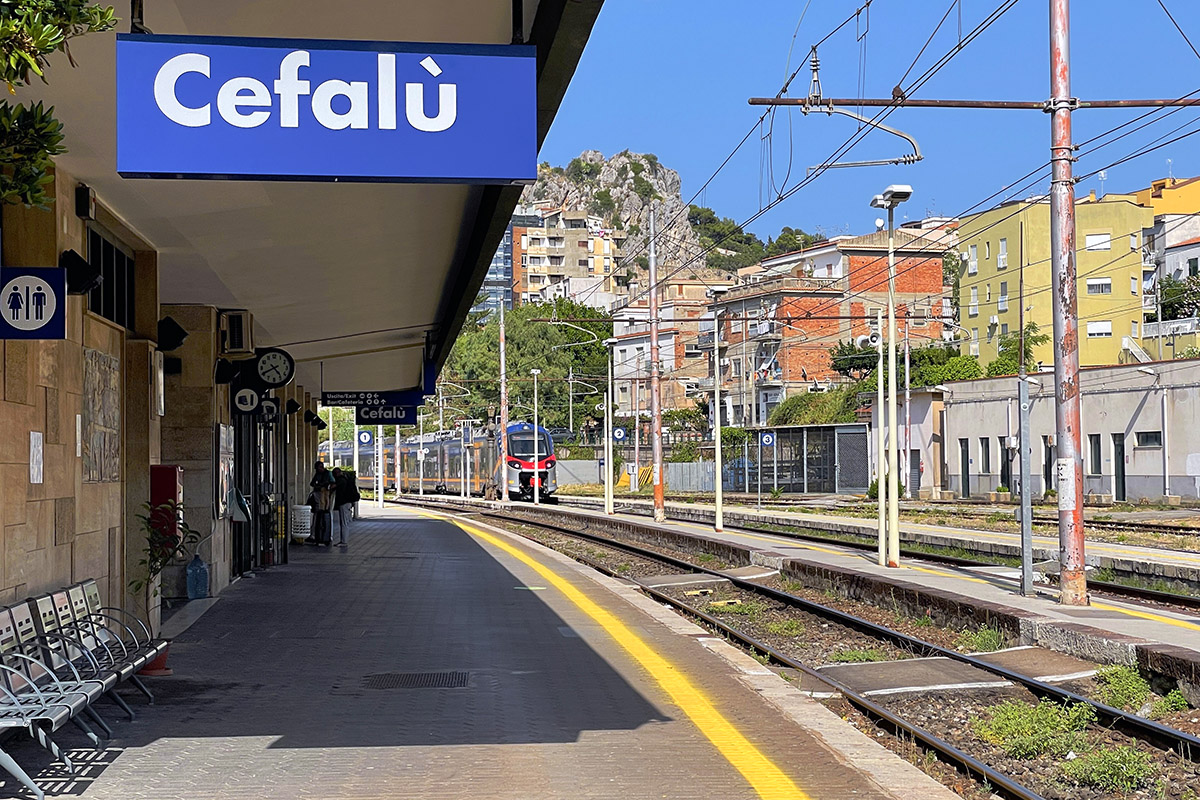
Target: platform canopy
(354, 279)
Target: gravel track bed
(1174, 777)
(805, 637)
(620, 562)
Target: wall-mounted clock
(274, 367)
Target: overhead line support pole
(1072, 579)
(660, 512)
(502, 434)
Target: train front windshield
(520, 445)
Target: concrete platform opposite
(433, 661)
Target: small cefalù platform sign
(385, 415)
(286, 109)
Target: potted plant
(1002, 494)
(167, 537)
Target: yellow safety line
(768, 780)
(1178, 623)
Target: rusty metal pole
(660, 510)
(1072, 579)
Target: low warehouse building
(1141, 433)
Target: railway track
(1118, 590)
(1130, 725)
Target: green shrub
(858, 656)
(1114, 769)
(786, 627)
(1165, 706)
(985, 640)
(873, 490)
(1025, 731)
(1122, 687)
(749, 609)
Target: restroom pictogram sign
(33, 303)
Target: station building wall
(1117, 403)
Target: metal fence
(806, 459)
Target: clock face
(275, 367)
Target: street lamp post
(608, 431)
(537, 483)
(892, 196)
(716, 293)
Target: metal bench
(33, 697)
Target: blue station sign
(219, 107)
(385, 415)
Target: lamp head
(610, 342)
(878, 202)
(715, 292)
(535, 371)
(1147, 371)
(897, 193)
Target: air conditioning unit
(237, 334)
(1011, 442)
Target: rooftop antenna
(1103, 176)
(1170, 174)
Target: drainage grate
(417, 680)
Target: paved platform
(429, 661)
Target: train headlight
(514, 464)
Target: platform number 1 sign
(33, 303)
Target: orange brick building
(776, 332)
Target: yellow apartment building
(1171, 196)
(995, 244)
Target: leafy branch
(30, 136)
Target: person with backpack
(321, 500)
(345, 496)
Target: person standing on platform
(345, 496)
(321, 501)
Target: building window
(1098, 241)
(113, 299)
(1133, 329)
(1002, 303)
(974, 341)
(583, 245)
(973, 308)
(973, 259)
(985, 456)
(1100, 329)
(1133, 241)
(873, 317)
(1133, 284)
(583, 262)
(1149, 438)
(1004, 329)
(1002, 256)
(1095, 467)
(989, 293)
(1099, 285)
(987, 250)
(1193, 266)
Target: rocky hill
(622, 190)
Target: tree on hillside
(789, 240)
(475, 361)
(1180, 298)
(30, 136)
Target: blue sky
(671, 77)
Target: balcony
(1171, 327)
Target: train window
(520, 445)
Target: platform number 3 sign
(33, 303)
